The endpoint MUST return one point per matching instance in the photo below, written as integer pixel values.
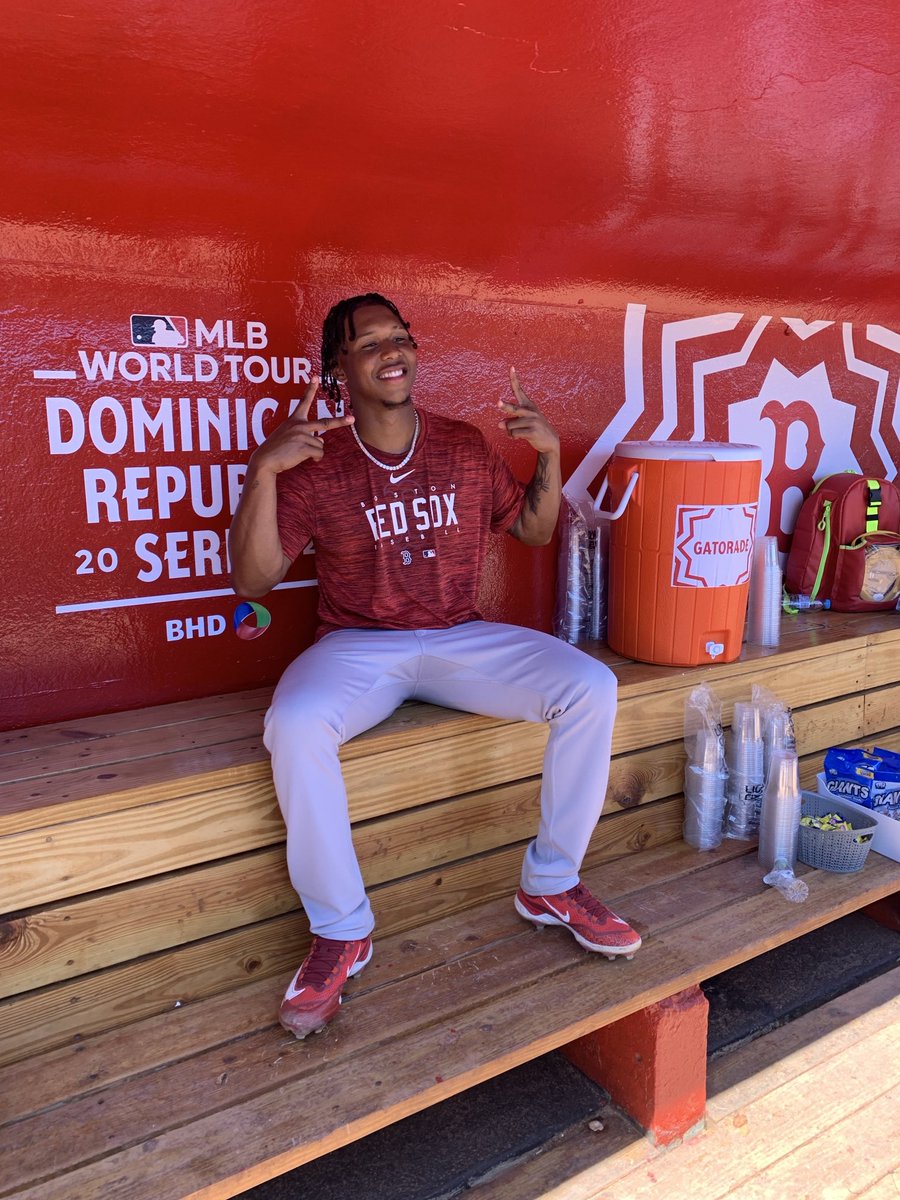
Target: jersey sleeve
(508, 493)
(296, 511)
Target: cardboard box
(887, 834)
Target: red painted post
(653, 1064)
(886, 911)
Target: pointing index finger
(301, 412)
(521, 398)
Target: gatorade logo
(713, 545)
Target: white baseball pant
(354, 678)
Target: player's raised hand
(523, 419)
(297, 438)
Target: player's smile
(379, 362)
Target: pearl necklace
(377, 461)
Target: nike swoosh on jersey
(396, 478)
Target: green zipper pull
(824, 526)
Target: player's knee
(599, 683)
(296, 717)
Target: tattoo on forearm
(539, 484)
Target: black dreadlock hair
(335, 328)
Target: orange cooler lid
(690, 451)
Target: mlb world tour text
(113, 425)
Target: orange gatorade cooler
(682, 525)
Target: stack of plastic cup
(704, 792)
(778, 734)
(746, 777)
(764, 603)
(779, 826)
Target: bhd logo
(152, 329)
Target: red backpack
(846, 544)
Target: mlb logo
(152, 329)
(429, 553)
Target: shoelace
(323, 961)
(585, 899)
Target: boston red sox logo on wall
(816, 396)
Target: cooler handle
(614, 516)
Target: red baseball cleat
(314, 994)
(591, 923)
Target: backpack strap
(873, 505)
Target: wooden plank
(41, 865)
(848, 1161)
(441, 1058)
(110, 753)
(404, 1003)
(153, 765)
(40, 947)
(26, 804)
(883, 656)
(376, 782)
(394, 780)
(55, 861)
(646, 720)
(94, 1061)
(776, 1144)
(584, 1164)
(48, 1017)
(578, 1155)
(740, 1077)
(243, 760)
(401, 1005)
(73, 937)
(882, 708)
(41, 738)
(886, 1188)
(805, 638)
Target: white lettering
(142, 422)
(171, 487)
(108, 404)
(175, 553)
(59, 443)
(398, 517)
(205, 367)
(199, 505)
(100, 489)
(206, 418)
(256, 335)
(132, 374)
(105, 366)
(420, 512)
(133, 493)
(266, 405)
(208, 336)
(180, 628)
(207, 551)
(160, 368)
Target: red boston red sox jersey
(401, 548)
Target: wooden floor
(808, 1112)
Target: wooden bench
(150, 927)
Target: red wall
(560, 187)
